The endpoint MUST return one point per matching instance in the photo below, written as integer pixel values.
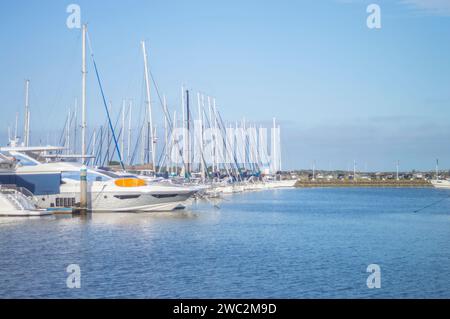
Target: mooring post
(83, 189)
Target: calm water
(298, 243)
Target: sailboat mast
(26, 133)
(15, 129)
(183, 123)
(166, 133)
(188, 140)
(200, 115)
(69, 120)
(150, 118)
(129, 133)
(94, 143)
(213, 136)
(75, 128)
(175, 142)
(83, 95)
(122, 137)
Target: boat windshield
(23, 160)
(91, 176)
(109, 174)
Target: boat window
(24, 160)
(110, 174)
(91, 176)
(71, 175)
(96, 177)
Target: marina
(206, 160)
(250, 151)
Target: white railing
(21, 197)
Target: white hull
(252, 186)
(25, 213)
(281, 184)
(15, 204)
(441, 183)
(118, 201)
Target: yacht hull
(118, 201)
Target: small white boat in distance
(281, 184)
(440, 183)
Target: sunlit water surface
(299, 243)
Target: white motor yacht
(57, 185)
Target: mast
(274, 147)
(183, 123)
(279, 148)
(15, 129)
(75, 127)
(122, 137)
(150, 119)
(437, 168)
(129, 134)
(202, 142)
(188, 163)
(212, 137)
(314, 171)
(244, 143)
(200, 135)
(94, 142)
(69, 120)
(83, 95)
(26, 127)
(166, 133)
(175, 142)
(216, 142)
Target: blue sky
(341, 91)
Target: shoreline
(368, 184)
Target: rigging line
(202, 159)
(98, 158)
(432, 204)
(121, 131)
(114, 150)
(105, 104)
(136, 145)
(209, 124)
(222, 128)
(109, 141)
(62, 138)
(159, 97)
(140, 127)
